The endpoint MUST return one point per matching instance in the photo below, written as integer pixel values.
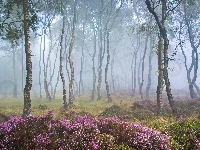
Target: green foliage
(185, 134)
(159, 123)
(42, 107)
(33, 22)
(11, 25)
(190, 2)
(11, 33)
(124, 147)
(71, 113)
(111, 111)
(118, 111)
(114, 110)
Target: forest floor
(128, 108)
(124, 107)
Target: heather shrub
(3, 118)
(70, 113)
(143, 110)
(42, 107)
(67, 114)
(134, 135)
(185, 108)
(159, 123)
(142, 114)
(20, 133)
(82, 132)
(116, 110)
(188, 107)
(144, 105)
(186, 134)
(46, 133)
(124, 147)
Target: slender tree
(150, 68)
(188, 18)
(61, 60)
(28, 85)
(14, 71)
(160, 85)
(71, 82)
(93, 64)
(106, 69)
(143, 59)
(163, 33)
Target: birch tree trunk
(28, 85)
(93, 65)
(160, 75)
(61, 65)
(195, 56)
(71, 82)
(106, 69)
(48, 96)
(143, 58)
(163, 34)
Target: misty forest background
(99, 48)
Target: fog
(121, 69)
(125, 38)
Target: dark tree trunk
(106, 70)
(67, 40)
(143, 58)
(101, 38)
(160, 75)
(193, 95)
(80, 84)
(100, 68)
(93, 66)
(163, 34)
(195, 57)
(61, 66)
(71, 82)
(48, 96)
(28, 86)
(48, 64)
(197, 88)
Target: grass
(14, 106)
(121, 107)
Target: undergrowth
(182, 133)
